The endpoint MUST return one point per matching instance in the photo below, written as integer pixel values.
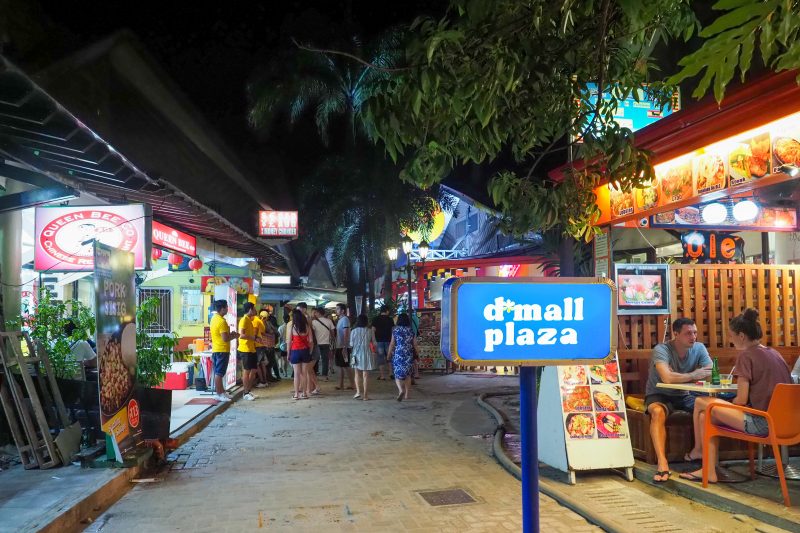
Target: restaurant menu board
(228, 293)
(430, 325)
(115, 307)
(592, 402)
(715, 167)
(582, 418)
(768, 219)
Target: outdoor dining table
(705, 388)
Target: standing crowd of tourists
(308, 347)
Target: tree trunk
(349, 282)
(566, 257)
(370, 269)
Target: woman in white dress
(362, 354)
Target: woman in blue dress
(401, 351)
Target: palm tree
(355, 203)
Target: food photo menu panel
(593, 406)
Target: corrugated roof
(37, 131)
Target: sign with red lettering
(279, 224)
(65, 236)
(712, 247)
(174, 240)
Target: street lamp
(392, 253)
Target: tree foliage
(769, 26)
(153, 352)
(496, 75)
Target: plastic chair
(783, 419)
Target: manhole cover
(436, 498)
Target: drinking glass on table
(726, 379)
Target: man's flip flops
(691, 476)
(660, 474)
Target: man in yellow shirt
(221, 338)
(261, 352)
(247, 350)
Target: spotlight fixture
(745, 210)
(714, 213)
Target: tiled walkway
(334, 464)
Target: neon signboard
(172, 239)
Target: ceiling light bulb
(745, 210)
(714, 213)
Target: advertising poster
(115, 303)
(642, 288)
(64, 235)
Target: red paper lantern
(195, 264)
(175, 259)
(156, 253)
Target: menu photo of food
(607, 373)
(607, 397)
(786, 150)
(573, 375)
(116, 378)
(639, 289)
(611, 425)
(621, 202)
(709, 172)
(579, 425)
(677, 181)
(749, 159)
(647, 197)
(576, 399)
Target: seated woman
(758, 370)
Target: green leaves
(153, 353)
(731, 40)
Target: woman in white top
(362, 356)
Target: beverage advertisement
(115, 302)
(592, 402)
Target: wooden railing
(712, 295)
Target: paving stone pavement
(335, 464)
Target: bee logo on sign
(528, 321)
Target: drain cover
(436, 498)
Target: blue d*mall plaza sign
(529, 322)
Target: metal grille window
(164, 322)
(191, 306)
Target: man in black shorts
(247, 350)
(680, 360)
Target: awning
(44, 140)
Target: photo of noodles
(115, 379)
(647, 197)
(787, 151)
(710, 172)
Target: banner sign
(172, 239)
(115, 307)
(277, 224)
(240, 285)
(528, 321)
(712, 247)
(64, 235)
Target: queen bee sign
(528, 321)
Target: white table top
(694, 387)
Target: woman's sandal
(689, 459)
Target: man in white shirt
(323, 333)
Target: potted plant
(153, 359)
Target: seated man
(680, 360)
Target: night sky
(210, 52)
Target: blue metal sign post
(528, 322)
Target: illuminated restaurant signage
(65, 236)
(712, 247)
(174, 240)
(738, 161)
(637, 110)
(280, 224)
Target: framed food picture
(642, 289)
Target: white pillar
(11, 254)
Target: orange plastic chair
(783, 419)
